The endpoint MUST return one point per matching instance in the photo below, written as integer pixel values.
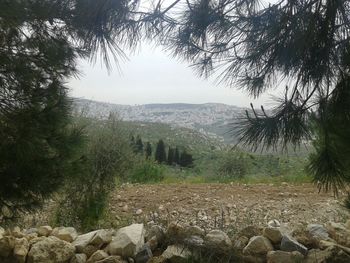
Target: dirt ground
(227, 206)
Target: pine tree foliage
(40, 43)
(160, 154)
(256, 46)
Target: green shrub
(146, 172)
(107, 155)
(233, 164)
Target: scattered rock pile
(275, 243)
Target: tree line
(172, 156)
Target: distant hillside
(184, 138)
(210, 119)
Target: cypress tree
(186, 159)
(171, 153)
(160, 155)
(148, 150)
(177, 156)
(139, 144)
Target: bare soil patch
(227, 206)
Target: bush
(233, 164)
(146, 172)
(106, 156)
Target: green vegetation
(44, 150)
(225, 164)
(105, 156)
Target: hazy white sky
(152, 76)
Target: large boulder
(289, 244)
(83, 240)
(176, 254)
(50, 250)
(317, 231)
(7, 244)
(279, 256)
(98, 255)
(17, 232)
(273, 234)
(218, 239)
(101, 237)
(331, 254)
(78, 258)
(92, 241)
(144, 254)
(339, 233)
(128, 241)
(68, 234)
(258, 246)
(20, 250)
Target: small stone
(317, 232)
(16, 232)
(138, 212)
(98, 255)
(30, 231)
(125, 208)
(274, 223)
(258, 245)
(289, 244)
(44, 231)
(68, 234)
(128, 241)
(218, 239)
(176, 254)
(273, 234)
(144, 254)
(82, 241)
(101, 237)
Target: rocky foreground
(274, 243)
